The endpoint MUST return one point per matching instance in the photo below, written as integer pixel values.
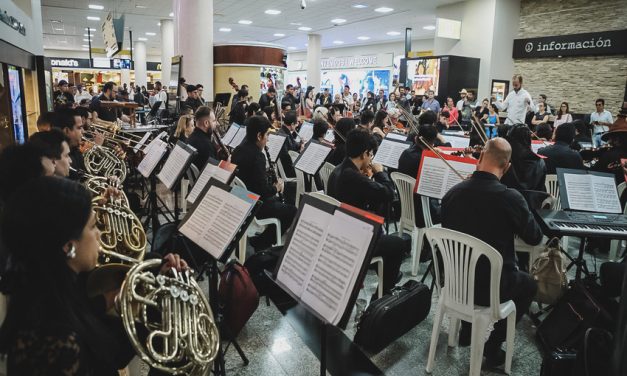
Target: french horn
(122, 236)
(98, 185)
(102, 161)
(168, 320)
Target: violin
(474, 150)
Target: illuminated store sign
(588, 44)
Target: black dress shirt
(265, 101)
(201, 141)
(251, 168)
(337, 155)
(290, 144)
(192, 103)
(487, 209)
(612, 158)
(528, 171)
(238, 113)
(104, 113)
(78, 163)
(560, 155)
(347, 184)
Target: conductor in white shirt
(517, 102)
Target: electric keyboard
(582, 224)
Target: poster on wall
(360, 81)
(423, 75)
(272, 77)
(16, 105)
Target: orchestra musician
(349, 184)
(504, 213)
(238, 109)
(342, 128)
(268, 99)
(70, 123)
(560, 155)
(109, 92)
(251, 169)
(610, 159)
(192, 101)
(55, 147)
(528, 170)
(201, 137)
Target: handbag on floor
(549, 274)
(393, 315)
(238, 298)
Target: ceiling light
(57, 29)
(245, 22)
(92, 18)
(295, 23)
(55, 21)
(338, 42)
(171, 14)
(363, 38)
(338, 20)
(151, 34)
(140, 6)
(86, 40)
(279, 35)
(360, 6)
(383, 10)
(90, 29)
(306, 44)
(142, 39)
(85, 49)
(158, 23)
(87, 35)
(304, 28)
(291, 48)
(272, 12)
(96, 7)
(224, 29)
(393, 33)
(429, 27)
(85, 45)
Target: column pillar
(139, 63)
(167, 50)
(125, 75)
(194, 41)
(314, 52)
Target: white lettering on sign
(349, 62)
(557, 46)
(64, 63)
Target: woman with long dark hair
(563, 115)
(528, 171)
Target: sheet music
(210, 171)
(330, 136)
(396, 136)
(157, 149)
(592, 193)
(173, 166)
(303, 247)
(389, 152)
(337, 265)
(538, 144)
(312, 158)
(141, 142)
(215, 221)
(239, 137)
(457, 141)
(306, 131)
(436, 178)
(230, 134)
(275, 144)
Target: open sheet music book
(325, 258)
(435, 178)
(306, 131)
(234, 135)
(177, 163)
(223, 171)
(154, 152)
(588, 191)
(390, 151)
(275, 144)
(219, 218)
(313, 157)
(457, 141)
(155, 141)
(396, 136)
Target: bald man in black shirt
(503, 214)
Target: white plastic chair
(405, 185)
(615, 244)
(460, 253)
(375, 260)
(256, 226)
(325, 173)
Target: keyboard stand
(579, 261)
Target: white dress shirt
(516, 104)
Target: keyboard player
(485, 208)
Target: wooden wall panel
(257, 55)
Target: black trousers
(392, 250)
(273, 208)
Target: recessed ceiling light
(304, 28)
(140, 6)
(96, 7)
(86, 35)
(338, 42)
(90, 29)
(291, 48)
(151, 34)
(158, 23)
(279, 35)
(393, 33)
(245, 22)
(55, 21)
(295, 23)
(171, 14)
(383, 10)
(86, 40)
(57, 29)
(363, 38)
(338, 20)
(142, 39)
(360, 6)
(85, 49)
(224, 29)
(306, 44)
(429, 27)
(272, 12)
(86, 45)
(93, 18)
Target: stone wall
(576, 80)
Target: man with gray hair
(504, 214)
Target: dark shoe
(493, 358)
(465, 335)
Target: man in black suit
(504, 213)
(200, 138)
(193, 101)
(251, 168)
(349, 184)
(238, 109)
(560, 155)
(268, 99)
(289, 97)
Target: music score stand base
(155, 207)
